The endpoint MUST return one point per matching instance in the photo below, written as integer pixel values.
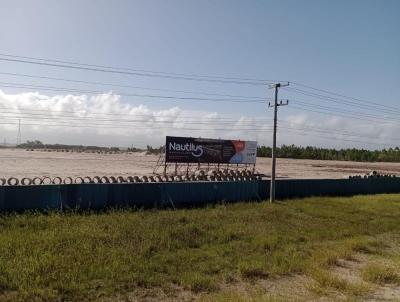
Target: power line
(344, 96)
(65, 64)
(252, 99)
(341, 101)
(159, 97)
(141, 121)
(152, 115)
(68, 122)
(110, 126)
(133, 73)
(258, 81)
(129, 86)
(288, 129)
(175, 121)
(352, 113)
(99, 83)
(352, 117)
(386, 119)
(43, 117)
(132, 123)
(105, 113)
(263, 81)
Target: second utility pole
(276, 105)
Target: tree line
(350, 154)
(36, 144)
(285, 151)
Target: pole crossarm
(278, 85)
(280, 103)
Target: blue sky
(348, 47)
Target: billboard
(205, 150)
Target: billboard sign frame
(210, 151)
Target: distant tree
(351, 154)
(31, 144)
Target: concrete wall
(185, 194)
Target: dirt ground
(22, 163)
(286, 288)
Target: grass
(92, 256)
(382, 273)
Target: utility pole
(19, 133)
(275, 105)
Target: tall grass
(86, 256)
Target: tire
(46, 180)
(12, 181)
(78, 180)
(37, 181)
(68, 181)
(57, 181)
(105, 180)
(26, 181)
(97, 180)
(121, 179)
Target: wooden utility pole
(275, 105)
(19, 133)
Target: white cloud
(106, 120)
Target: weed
(381, 273)
(81, 256)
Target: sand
(21, 163)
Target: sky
(351, 48)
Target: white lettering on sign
(196, 150)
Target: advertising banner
(204, 150)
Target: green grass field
(247, 251)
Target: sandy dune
(21, 163)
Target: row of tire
(373, 174)
(26, 181)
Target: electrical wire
(344, 96)
(69, 119)
(132, 122)
(111, 126)
(338, 98)
(89, 112)
(140, 121)
(143, 74)
(352, 113)
(129, 86)
(138, 70)
(158, 97)
(343, 115)
(265, 129)
(341, 101)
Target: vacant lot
(21, 163)
(302, 250)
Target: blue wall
(184, 194)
